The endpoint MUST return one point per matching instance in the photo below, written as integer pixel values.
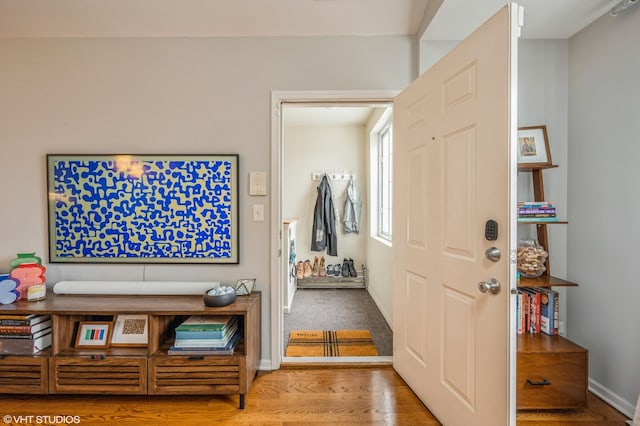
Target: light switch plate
(257, 183)
(258, 212)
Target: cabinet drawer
(86, 374)
(24, 374)
(197, 375)
(551, 380)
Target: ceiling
(453, 20)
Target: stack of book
(536, 211)
(24, 334)
(537, 310)
(207, 335)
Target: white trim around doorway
(278, 98)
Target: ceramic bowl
(218, 300)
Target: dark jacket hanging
(323, 234)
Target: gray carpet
(338, 309)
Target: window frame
(381, 172)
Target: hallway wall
(309, 149)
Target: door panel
(453, 170)
(459, 192)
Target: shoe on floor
(300, 270)
(315, 268)
(345, 267)
(330, 271)
(321, 268)
(307, 269)
(352, 269)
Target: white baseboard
(265, 365)
(625, 407)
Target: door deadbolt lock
(492, 253)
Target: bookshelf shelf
(529, 167)
(546, 281)
(542, 222)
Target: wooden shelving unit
(551, 371)
(147, 370)
(359, 281)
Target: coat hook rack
(333, 175)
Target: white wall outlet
(258, 212)
(257, 183)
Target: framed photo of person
(533, 146)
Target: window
(381, 138)
(385, 182)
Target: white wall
(543, 100)
(604, 148)
(162, 96)
(379, 253)
(309, 149)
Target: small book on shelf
(25, 346)
(24, 329)
(205, 323)
(549, 304)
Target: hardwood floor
(290, 396)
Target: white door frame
(277, 99)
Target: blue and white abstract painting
(143, 208)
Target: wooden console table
(64, 369)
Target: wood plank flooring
(319, 395)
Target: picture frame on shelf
(130, 331)
(533, 146)
(93, 334)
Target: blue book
(548, 311)
(180, 334)
(222, 350)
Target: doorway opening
(317, 135)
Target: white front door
(453, 171)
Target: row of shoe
(318, 269)
(306, 270)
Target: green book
(205, 323)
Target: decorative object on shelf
(130, 330)
(244, 286)
(28, 271)
(8, 292)
(143, 208)
(93, 334)
(533, 146)
(219, 296)
(531, 258)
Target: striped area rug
(328, 343)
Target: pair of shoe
(333, 270)
(306, 270)
(348, 269)
(318, 268)
(303, 269)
